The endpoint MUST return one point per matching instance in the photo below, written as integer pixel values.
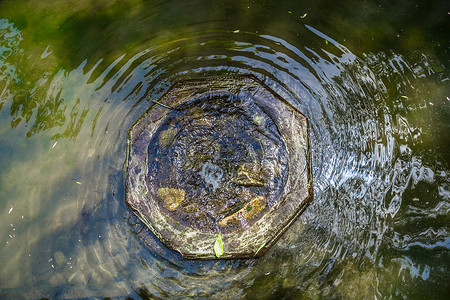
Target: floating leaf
(236, 31)
(260, 247)
(218, 246)
(416, 199)
(289, 12)
(404, 97)
(304, 16)
(326, 42)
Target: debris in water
(10, 210)
(59, 257)
(167, 136)
(249, 174)
(304, 16)
(71, 277)
(172, 197)
(260, 247)
(46, 52)
(250, 210)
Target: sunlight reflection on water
(374, 179)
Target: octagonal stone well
(219, 155)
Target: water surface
(371, 77)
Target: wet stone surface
(218, 159)
(219, 155)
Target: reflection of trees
(104, 30)
(76, 121)
(26, 90)
(10, 38)
(49, 114)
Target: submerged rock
(231, 157)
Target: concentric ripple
(371, 173)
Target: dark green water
(371, 76)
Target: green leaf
(260, 247)
(218, 245)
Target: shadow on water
(74, 78)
